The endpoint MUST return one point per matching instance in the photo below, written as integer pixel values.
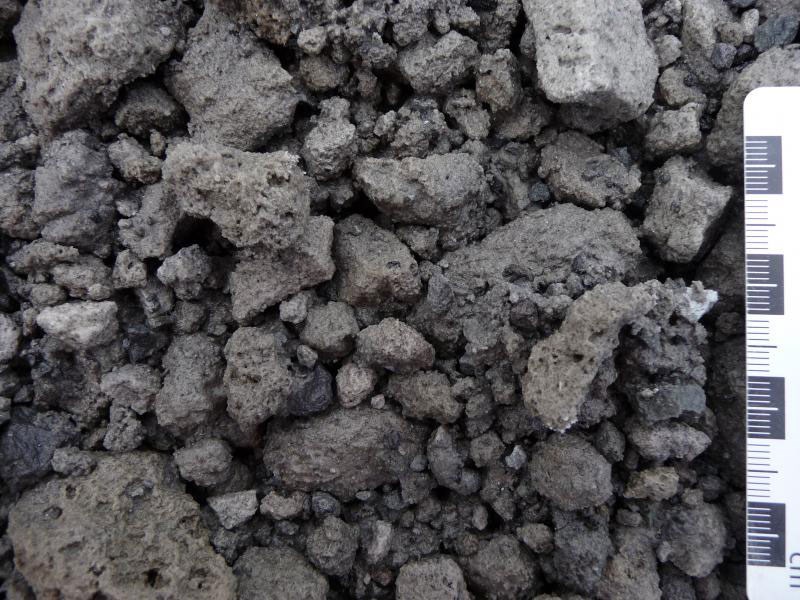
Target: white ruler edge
(772, 236)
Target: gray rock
(434, 66)
(474, 121)
(694, 538)
(147, 107)
(447, 460)
(332, 546)
(16, 204)
(73, 69)
(593, 58)
(675, 132)
(295, 309)
(75, 193)
(28, 444)
(191, 395)
(80, 325)
(498, 80)
(148, 233)
(582, 548)
(633, 571)
(658, 483)
(235, 508)
(393, 345)
(669, 439)
(446, 191)
(433, 578)
(564, 368)
(264, 277)
(185, 272)
(278, 574)
(129, 271)
(536, 536)
(775, 68)
(354, 384)
(62, 529)
(343, 451)
(669, 401)
(125, 431)
(684, 211)
(425, 395)
(776, 31)
(502, 569)
(577, 170)
(133, 162)
(87, 278)
(233, 88)
(486, 449)
(702, 19)
(373, 266)
(279, 507)
(258, 376)
(330, 329)
(253, 198)
(312, 392)
(206, 462)
(570, 472)
(71, 461)
(330, 147)
(10, 335)
(723, 56)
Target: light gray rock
(133, 161)
(330, 329)
(675, 132)
(148, 233)
(684, 211)
(185, 272)
(332, 546)
(62, 529)
(498, 80)
(206, 462)
(425, 395)
(80, 325)
(264, 277)
(10, 335)
(593, 58)
(75, 57)
(147, 107)
(234, 89)
(134, 386)
(278, 574)
(329, 148)
(354, 384)
(235, 508)
(393, 345)
(253, 198)
(434, 66)
(568, 471)
(666, 440)
(344, 451)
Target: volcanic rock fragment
(425, 395)
(253, 198)
(694, 537)
(206, 462)
(332, 546)
(80, 325)
(61, 532)
(593, 58)
(432, 578)
(233, 88)
(435, 66)
(278, 574)
(76, 56)
(344, 451)
(502, 569)
(393, 345)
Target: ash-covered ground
(416, 299)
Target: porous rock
(343, 451)
(61, 531)
(432, 578)
(278, 574)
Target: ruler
(772, 264)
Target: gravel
(415, 300)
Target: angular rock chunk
(570, 472)
(205, 463)
(435, 66)
(563, 367)
(264, 277)
(80, 325)
(433, 578)
(579, 171)
(675, 131)
(233, 88)
(694, 538)
(9, 338)
(502, 569)
(443, 190)
(76, 56)
(447, 459)
(149, 232)
(633, 571)
(658, 483)
(75, 193)
(253, 198)
(191, 395)
(62, 531)
(395, 346)
(354, 384)
(330, 147)
(330, 329)
(133, 161)
(235, 508)
(425, 395)
(344, 451)
(373, 266)
(16, 204)
(778, 67)
(278, 574)
(684, 210)
(258, 377)
(594, 58)
(147, 107)
(498, 82)
(582, 548)
(663, 441)
(332, 546)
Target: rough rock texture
(80, 324)
(132, 503)
(75, 57)
(434, 578)
(344, 451)
(233, 88)
(278, 574)
(593, 58)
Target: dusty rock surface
(408, 299)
